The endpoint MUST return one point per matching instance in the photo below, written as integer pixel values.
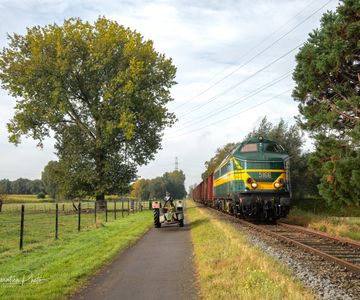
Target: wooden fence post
(56, 220)
(122, 208)
(106, 211)
(95, 211)
(79, 216)
(22, 226)
(115, 209)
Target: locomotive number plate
(265, 175)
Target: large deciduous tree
(327, 79)
(100, 89)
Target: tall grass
(348, 227)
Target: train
(253, 182)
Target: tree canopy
(327, 88)
(21, 186)
(52, 178)
(100, 89)
(172, 182)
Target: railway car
(253, 181)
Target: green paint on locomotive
(259, 160)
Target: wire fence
(28, 226)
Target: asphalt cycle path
(158, 266)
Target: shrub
(41, 195)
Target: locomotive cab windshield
(265, 147)
(272, 147)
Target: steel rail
(342, 241)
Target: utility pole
(176, 164)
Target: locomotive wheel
(234, 209)
(157, 218)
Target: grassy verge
(39, 225)
(54, 270)
(348, 227)
(228, 267)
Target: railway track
(337, 250)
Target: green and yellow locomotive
(252, 181)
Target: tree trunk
(100, 201)
(99, 165)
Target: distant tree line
(172, 182)
(55, 185)
(21, 186)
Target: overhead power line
(235, 101)
(232, 116)
(256, 55)
(243, 80)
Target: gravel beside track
(327, 280)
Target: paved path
(158, 266)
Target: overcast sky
(224, 51)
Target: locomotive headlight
(277, 185)
(254, 185)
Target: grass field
(50, 206)
(348, 227)
(39, 223)
(228, 267)
(19, 198)
(24, 198)
(53, 269)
